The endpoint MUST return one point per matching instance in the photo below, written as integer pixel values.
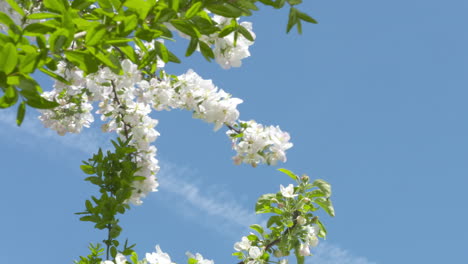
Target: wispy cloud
(327, 253)
(88, 141)
(198, 199)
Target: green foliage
(84, 35)
(113, 173)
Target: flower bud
(306, 200)
(280, 205)
(305, 178)
(304, 250)
(301, 220)
(278, 253)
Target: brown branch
(116, 98)
(232, 128)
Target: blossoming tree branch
(107, 58)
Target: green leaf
(57, 6)
(134, 257)
(88, 169)
(28, 63)
(225, 10)
(257, 228)
(54, 75)
(289, 173)
(294, 2)
(275, 219)
(42, 16)
(129, 52)
(95, 35)
(206, 51)
(117, 41)
(173, 58)
(245, 33)
(306, 17)
(226, 31)
(268, 2)
(81, 4)
(16, 7)
(9, 58)
(83, 60)
(299, 26)
(130, 23)
(323, 231)
(38, 29)
(89, 205)
(279, 4)
(191, 47)
(326, 205)
(299, 258)
(40, 103)
(292, 20)
(162, 51)
(185, 27)
(6, 20)
(9, 98)
(105, 3)
(263, 204)
(88, 218)
(20, 113)
(140, 6)
(324, 186)
(192, 261)
(58, 40)
(194, 9)
(175, 4)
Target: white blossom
(255, 252)
(259, 144)
(304, 250)
(199, 258)
(288, 192)
(244, 244)
(227, 54)
(158, 257)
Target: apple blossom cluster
(199, 258)
(256, 143)
(227, 52)
(126, 101)
(158, 257)
(252, 253)
(189, 91)
(310, 240)
(117, 105)
(74, 111)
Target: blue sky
(374, 98)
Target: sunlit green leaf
(289, 173)
(194, 9)
(9, 58)
(9, 98)
(95, 35)
(15, 6)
